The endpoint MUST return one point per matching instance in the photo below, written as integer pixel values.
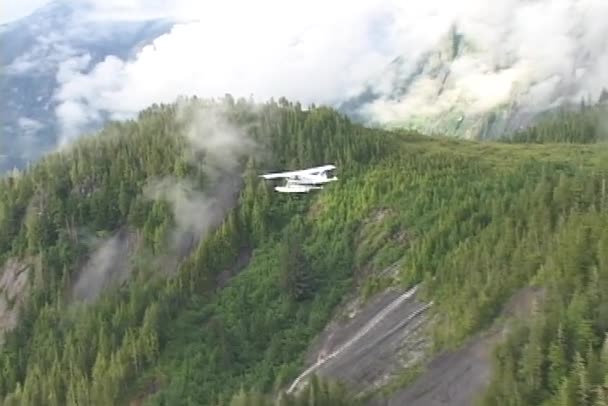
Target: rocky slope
(381, 349)
(13, 289)
(372, 343)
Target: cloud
(209, 133)
(108, 265)
(195, 213)
(540, 53)
(47, 53)
(544, 51)
(12, 10)
(134, 10)
(29, 126)
(315, 52)
(218, 148)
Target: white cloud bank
(322, 52)
(13, 10)
(541, 53)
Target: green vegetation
(475, 222)
(198, 344)
(588, 124)
(558, 357)
(318, 392)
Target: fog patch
(215, 142)
(195, 213)
(107, 266)
(219, 149)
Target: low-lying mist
(216, 146)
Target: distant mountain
(33, 50)
(427, 94)
(457, 88)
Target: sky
(543, 51)
(11, 10)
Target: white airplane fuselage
(292, 188)
(312, 179)
(303, 181)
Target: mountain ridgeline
(226, 283)
(585, 124)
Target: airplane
(303, 181)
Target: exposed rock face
(458, 377)
(453, 378)
(13, 289)
(372, 343)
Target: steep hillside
(481, 248)
(202, 286)
(170, 179)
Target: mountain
(451, 90)
(35, 52)
(149, 264)
(457, 88)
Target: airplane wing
(317, 169)
(290, 174)
(279, 175)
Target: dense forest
(583, 124)
(227, 282)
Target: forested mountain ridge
(474, 222)
(50, 212)
(585, 124)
